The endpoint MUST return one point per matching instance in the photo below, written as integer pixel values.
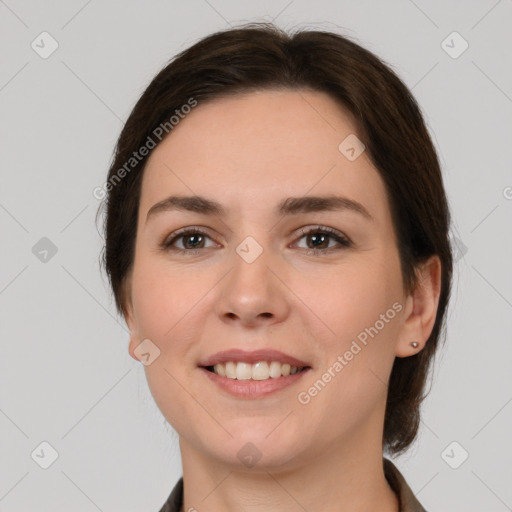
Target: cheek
(161, 298)
(352, 298)
(357, 306)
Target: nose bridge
(252, 292)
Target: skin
(249, 152)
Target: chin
(253, 450)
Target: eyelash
(332, 233)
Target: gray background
(65, 373)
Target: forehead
(255, 148)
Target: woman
(277, 240)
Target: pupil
(189, 237)
(316, 238)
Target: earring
(414, 344)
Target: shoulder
(175, 500)
(407, 499)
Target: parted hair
(261, 56)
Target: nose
(253, 294)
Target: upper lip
(243, 356)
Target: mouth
(252, 381)
(262, 370)
(258, 365)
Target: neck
(335, 480)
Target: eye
(192, 240)
(318, 240)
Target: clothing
(406, 498)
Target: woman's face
(254, 279)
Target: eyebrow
(287, 207)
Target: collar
(406, 498)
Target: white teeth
(262, 370)
(230, 370)
(275, 369)
(243, 371)
(220, 369)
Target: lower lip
(253, 388)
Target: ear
(130, 318)
(134, 337)
(420, 309)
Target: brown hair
(389, 122)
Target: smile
(262, 370)
(249, 388)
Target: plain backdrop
(66, 378)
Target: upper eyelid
(325, 229)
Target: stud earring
(414, 344)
